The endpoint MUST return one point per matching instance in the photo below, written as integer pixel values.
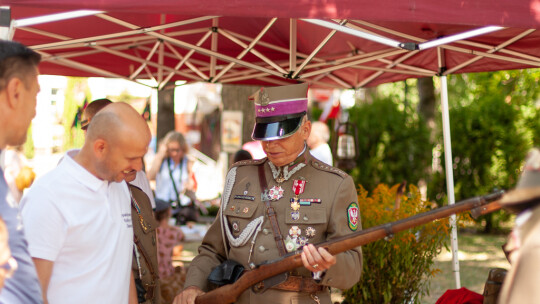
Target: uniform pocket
(239, 215)
(240, 209)
(308, 215)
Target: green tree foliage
(394, 143)
(77, 91)
(28, 146)
(493, 122)
(395, 270)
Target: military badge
(290, 244)
(275, 193)
(295, 232)
(235, 226)
(264, 99)
(295, 215)
(302, 241)
(298, 186)
(310, 232)
(246, 210)
(244, 197)
(309, 201)
(352, 216)
(295, 206)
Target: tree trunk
(426, 107)
(165, 115)
(236, 98)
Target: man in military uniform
(277, 205)
(523, 246)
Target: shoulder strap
(270, 211)
(147, 260)
(136, 240)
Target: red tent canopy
(509, 13)
(184, 40)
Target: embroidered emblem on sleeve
(352, 216)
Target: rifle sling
(271, 212)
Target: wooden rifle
(268, 271)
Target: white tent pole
(449, 177)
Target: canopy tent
(247, 46)
(327, 43)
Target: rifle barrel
(230, 293)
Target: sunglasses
(84, 124)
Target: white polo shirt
(82, 224)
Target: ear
(13, 92)
(306, 129)
(100, 148)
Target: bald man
(79, 228)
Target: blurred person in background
(318, 142)
(241, 155)
(18, 94)
(17, 171)
(171, 278)
(255, 149)
(173, 172)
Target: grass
(478, 253)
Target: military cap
(279, 111)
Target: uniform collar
(281, 174)
(80, 173)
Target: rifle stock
(230, 293)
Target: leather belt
(300, 284)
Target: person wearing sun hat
(523, 245)
(279, 204)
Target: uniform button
(306, 218)
(261, 248)
(266, 231)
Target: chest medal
(275, 193)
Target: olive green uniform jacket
(326, 220)
(145, 237)
(521, 283)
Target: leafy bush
(493, 122)
(396, 270)
(394, 144)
